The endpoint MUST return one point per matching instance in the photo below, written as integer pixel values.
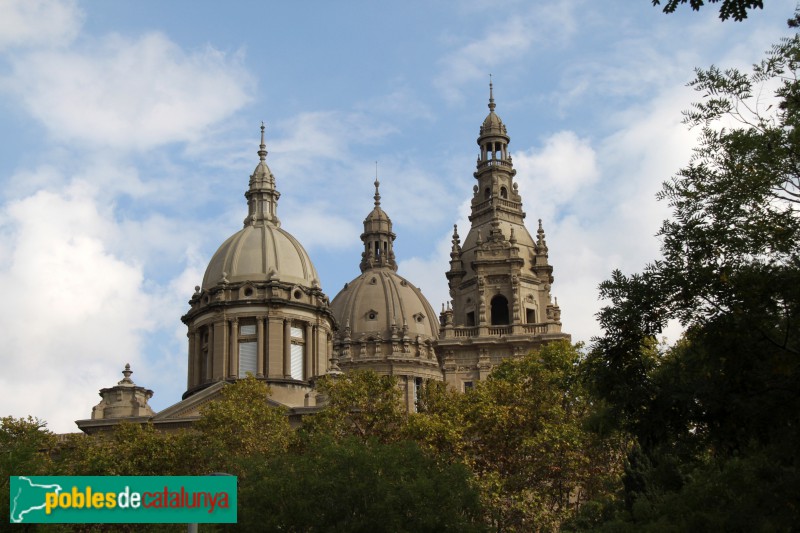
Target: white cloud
(556, 174)
(401, 103)
(543, 24)
(428, 273)
(129, 94)
(316, 226)
(609, 221)
(26, 23)
(69, 304)
(325, 134)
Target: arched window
(500, 310)
(487, 193)
(503, 192)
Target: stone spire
(495, 197)
(378, 237)
(491, 95)
(541, 243)
(262, 196)
(456, 272)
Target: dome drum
(250, 294)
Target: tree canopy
(735, 9)
(723, 404)
(524, 433)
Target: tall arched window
(500, 311)
(503, 192)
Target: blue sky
(129, 129)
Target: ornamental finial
(491, 95)
(377, 185)
(262, 152)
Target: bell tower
(500, 277)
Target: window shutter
(297, 361)
(247, 358)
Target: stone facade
(385, 323)
(500, 278)
(261, 310)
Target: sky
(129, 129)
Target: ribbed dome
(377, 221)
(492, 124)
(258, 253)
(379, 301)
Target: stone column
(190, 378)
(310, 352)
(208, 364)
(287, 349)
(197, 377)
(234, 368)
(220, 350)
(275, 347)
(260, 347)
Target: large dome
(380, 301)
(261, 252)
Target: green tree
(440, 424)
(724, 403)
(736, 9)
(25, 448)
(239, 424)
(361, 404)
(352, 485)
(130, 450)
(523, 434)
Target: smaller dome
(258, 253)
(377, 214)
(492, 124)
(377, 222)
(380, 301)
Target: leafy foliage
(349, 485)
(736, 9)
(361, 404)
(130, 450)
(722, 405)
(523, 434)
(514, 454)
(242, 423)
(25, 447)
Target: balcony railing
(497, 331)
(494, 163)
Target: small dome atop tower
(492, 125)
